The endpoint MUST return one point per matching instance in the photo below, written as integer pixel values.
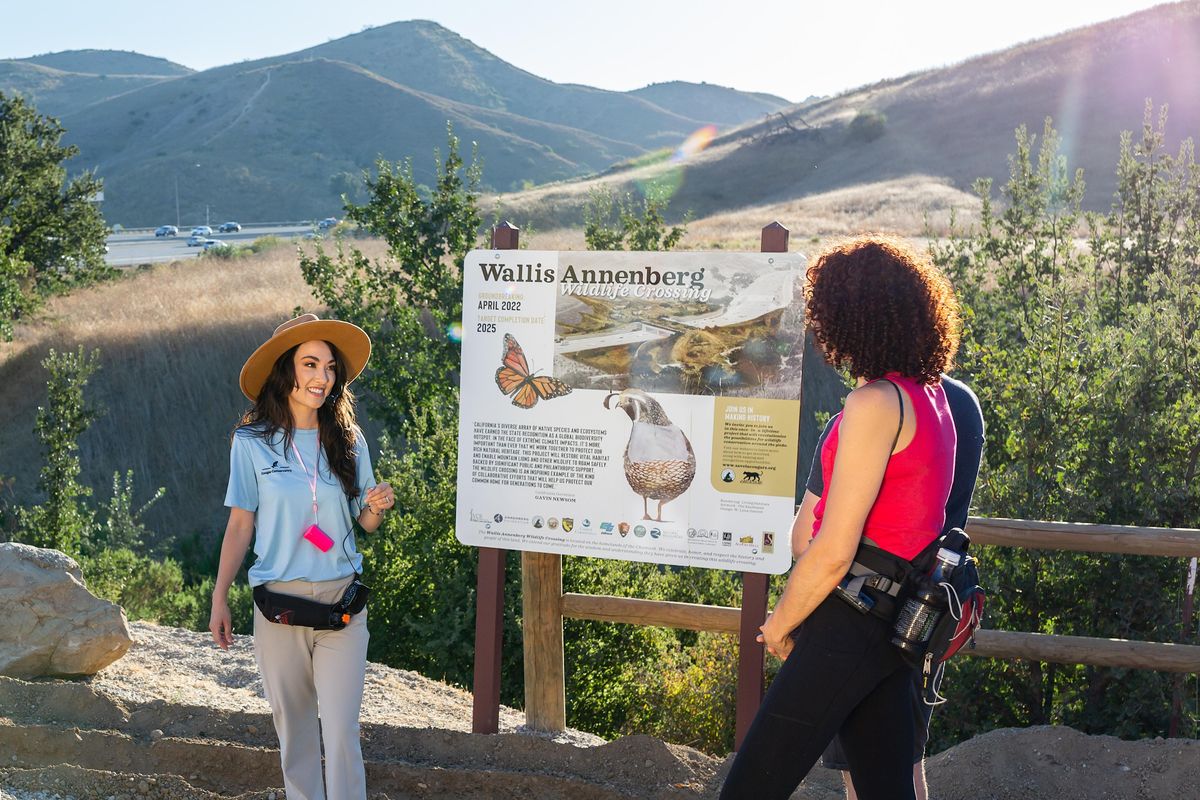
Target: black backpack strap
(900, 427)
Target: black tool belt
(287, 609)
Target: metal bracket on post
(754, 586)
(489, 592)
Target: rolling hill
(108, 62)
(284, 141)
(954, 124)
(285, 137)
(59, 83)
(717, 104)
(427, 57)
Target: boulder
(50, 624)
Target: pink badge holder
(318, 538)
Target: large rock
(50, 624)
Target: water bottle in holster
(924, 607)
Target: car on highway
(196, 240)
(210, 244)
(166, 230)
(327, 223)
(201, 230)
(228, 227)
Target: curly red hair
(874, 305)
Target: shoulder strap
(900, 399)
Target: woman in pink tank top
(882, 312)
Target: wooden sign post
(489, 593)
(754, 587)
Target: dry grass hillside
(55, 92)
(953, 124)
(58, 83)
(108, 62)
(716, 104)
(172, 339)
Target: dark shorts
(834, 758)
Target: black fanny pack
(287, 609)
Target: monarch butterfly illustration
(514, 378)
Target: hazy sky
(792, 49)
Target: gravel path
(185, 668)
(177, 718)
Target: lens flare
(695, 143)
(454, 331)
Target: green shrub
(264, 243)
(611, 223)
(1083, 357)
(139, 584)
(64, 521)
(689, 697)
(867, 126)
(154, 590)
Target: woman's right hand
(779, 643)
(238, 534)
(220, 622)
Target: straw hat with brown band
(351, 341)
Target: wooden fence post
(754, 586)
(542, 628)
(489, 593)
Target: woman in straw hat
(300, 476)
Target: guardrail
(188, 227)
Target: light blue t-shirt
(274, 485)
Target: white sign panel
(639, 406)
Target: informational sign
(639, 406)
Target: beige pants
(306, 672)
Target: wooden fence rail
(1085, 537)
(1072, 536)
(1160, 656)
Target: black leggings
(843, 676)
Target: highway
(129, 248)
(612, 338)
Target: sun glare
(695, 144)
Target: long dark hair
(336, 424)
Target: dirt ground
(178, 719)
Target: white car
(196, 240)
(209, 244)
(201, 230)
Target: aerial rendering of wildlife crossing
(638, 406)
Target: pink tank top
(910, 509)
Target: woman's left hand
(380, 498)
(779, 643)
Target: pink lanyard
(312, 484)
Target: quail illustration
(659, 461)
